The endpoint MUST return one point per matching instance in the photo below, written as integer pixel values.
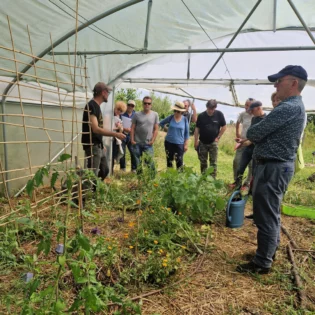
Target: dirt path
(218, 289)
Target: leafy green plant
(193, 195)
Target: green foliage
(9, 247)
(126, 95)
(161, 105)
(195, 196)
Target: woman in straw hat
(176, 140)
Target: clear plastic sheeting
(173, 25)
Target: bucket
(235, 210)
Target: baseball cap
(101, 86)
(296, 71)
(254, 105)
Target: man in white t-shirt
(242, 124)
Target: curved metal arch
(68, 35)
(44, 52)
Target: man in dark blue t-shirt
(210, 127)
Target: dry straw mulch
(216, 288)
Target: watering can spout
(235, 210)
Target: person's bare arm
(155, 133)
(237, 127)
(222, 130)
(196, 137)
(194, 113)
(186, 145)
(104, 132)
(132, 134)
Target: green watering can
(235, 210)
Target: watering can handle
(229, 203)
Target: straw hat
(179, 106)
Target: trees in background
(161, 104)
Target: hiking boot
(251, 267)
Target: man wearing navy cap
(276, 140)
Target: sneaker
(251, 267)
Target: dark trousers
(104, 169)
(122, 162)
(245, 160)
(93, 156)
(174, 151)
(271, 180)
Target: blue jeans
(271, 180)
(138, 150)
(122, 162)
(246, 158)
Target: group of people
(266, 144)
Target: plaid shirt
(277, 137)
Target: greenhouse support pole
(148, 24)
(110, 157)
(234, 36)
(5, 147)
(184, 51)
(188, 65)
(274, 15)
(297, 13)
(233, 91)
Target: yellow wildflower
(156, 242)
(164, 264)
(178, 259)
(131, 224)
(165, 260)
(168, 209)
(161, 251)
(179, 213)
(146, 232)
(156, 185)
(126, 235)
(152, 211)
(109, 247)
(183, 247)
(149, 251)
(131, 247)
(138, 202)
